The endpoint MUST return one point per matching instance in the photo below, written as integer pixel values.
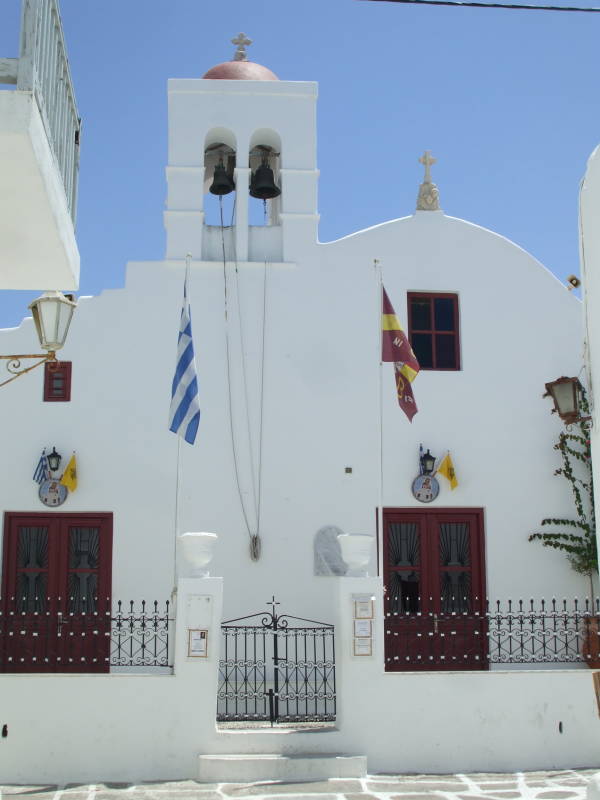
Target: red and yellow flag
(396, 347)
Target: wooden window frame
(456, 333)
(51, 368)
(429, 566)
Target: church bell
(262, 183)
(222, 181)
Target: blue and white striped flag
(184, 415)
(42, 471)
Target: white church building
(454, 621)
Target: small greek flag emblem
(184, 415)
(42, 471)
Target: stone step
(244, 768)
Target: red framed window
(433, 329)
(57, 381)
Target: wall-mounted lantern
(427, 462)
(566, 394)
(52, 314)
(54, 460)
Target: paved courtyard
(560, 785)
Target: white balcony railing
(43, 69)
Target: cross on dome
(241, 41)
(427, 160)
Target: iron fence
(456, 636)
(79, 634)
(275, 668)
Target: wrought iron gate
(273, 667)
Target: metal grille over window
(405, 555)
(32, 570)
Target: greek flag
(184, 415)
(42, 471)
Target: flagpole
(379, 294)
(188, 258)
(177, 490)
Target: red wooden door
(435, 589)
(56, 593)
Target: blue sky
(507, 101)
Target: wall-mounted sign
(197, 643)
(363, 646)
(52, 492)
(425, 488)
(363, 627)
(363, 608)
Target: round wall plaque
(52, 493)
(425, 488)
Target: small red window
(57, 381)
(433, 329)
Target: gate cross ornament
(272, 602)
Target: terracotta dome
(240, 71)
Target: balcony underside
(38, 247)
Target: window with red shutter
(57, 381)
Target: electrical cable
(262, 380)
(227, 349)
(255, 543)
(244, 373)
(475, 4)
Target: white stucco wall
(589, 213)
(38, 249)
(78, 728)
(320, 410)
(320, 414)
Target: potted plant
(578, 537)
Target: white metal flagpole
(178, 471)
(379, 339)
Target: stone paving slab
(410, 786)
(539, 785)
(335, 785)
(410, 796)
(304, 797)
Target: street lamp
(52, 313)
(566, 395)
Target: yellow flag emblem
(69, 478)
(446, 468)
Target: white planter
(196, 549)
(356, 552)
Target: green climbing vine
(578, 541)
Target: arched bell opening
(219, 184)
(265, 185)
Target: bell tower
(241, 131)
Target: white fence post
(359, 645)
